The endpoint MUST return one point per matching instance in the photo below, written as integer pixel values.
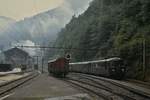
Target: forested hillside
(111, 28)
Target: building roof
(16, 50)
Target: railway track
(6, 88)
(101, 92)
(140, 83)
(107, 89)
(89, 89)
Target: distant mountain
(41, 28)
(5, 21)
(45, 26)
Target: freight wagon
(58, 67)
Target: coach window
(105, 64)
(100, 65)
(96, 65)
(88, 67)
(112, 64)
(91, 67)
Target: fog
(40, 29)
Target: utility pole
(42, 65)
(43, 54)
(101, 7)
(2, 53)
(144, 58)
(37, 62)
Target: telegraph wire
(61, 48)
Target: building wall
(16, 57)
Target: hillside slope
(36, 28)
(110, 28)
(5, 22)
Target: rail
(128, 93)
(5, 88)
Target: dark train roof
(50, 61)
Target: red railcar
(59, 67)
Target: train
(5, 67)
(59, 67)
(111, 68)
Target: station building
(16, 57)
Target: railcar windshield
(119, 63)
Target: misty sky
(18, 9)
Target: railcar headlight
(122, 69)
(113, 70)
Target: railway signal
(68, 56)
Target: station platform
(11, 77)
(45, 87)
